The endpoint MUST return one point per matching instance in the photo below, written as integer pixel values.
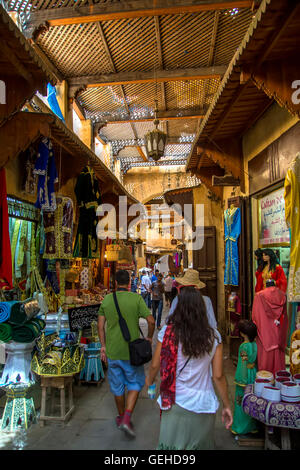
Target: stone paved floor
(92, 426)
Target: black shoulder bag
(140, 350)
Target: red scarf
(168, 364)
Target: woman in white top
(187, 348)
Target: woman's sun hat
(190, 278)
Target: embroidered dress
(46, 170)
(58, 227)
(292, 217)
(232, 229)
(278, 276)
(88, 198)
(245, 374)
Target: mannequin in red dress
(270, 269)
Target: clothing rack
(22, 209)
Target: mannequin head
(270, 258)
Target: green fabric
(25, 334)
(5, 332)
(132, 307)
(245, 374)
(17, 315)
(181, 429)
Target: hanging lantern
(155, 141)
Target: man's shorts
(122, 374)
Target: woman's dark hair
(248, 328)
(122, 277)
(260, 263)
(273, 258)
(190, 324)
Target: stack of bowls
(283, 373)
(279, 381)
(266, 375)
(296, 378)
(290, 392)
(259, 385)
(271, 393)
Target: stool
(19, 411)
(93, 370)
(60, 383)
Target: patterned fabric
(285, 415)
(168, 362)
(292, 207)
(232, 230)
(46, 170)
(58, 227)
(84, 278)
(278, 276)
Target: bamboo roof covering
(247, 90)
(21, 69)
(119, 57)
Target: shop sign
(82, 317)
(271, 215)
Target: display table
(272, 414)
(61, 383)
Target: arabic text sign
(273, 229)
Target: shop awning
(72, 154)
(259, 73)
(22, 70)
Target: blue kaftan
(232, 229)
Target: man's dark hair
(157, 271)
(122, 277)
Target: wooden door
(205, 261)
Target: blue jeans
(157, 305)
(147, 298)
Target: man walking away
(145, 289)
(158, 290)
(115, 350)
(168, 288)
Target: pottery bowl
(279, 381)
(290, 389)
(283, 373)
(266, 375)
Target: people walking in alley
(134, 283)
(168, 289)
(187, 347)
(191, 278)
(145, 288)
(115, 350)
(157, 291)
(245, 374)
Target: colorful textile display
(235, 309)
(58, 227)
(47, 176)
(27, 332)
(29, 183)
(88, 199)
(5, 332)
(295, 353)
(5, 249)
(232, 229)
(277, 274)
(5, 310)
(245, 375)
(270, 316)
(292, 211)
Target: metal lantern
(155, 141)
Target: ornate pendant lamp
(155, 141)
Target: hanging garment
(5, 248)
(47, 175)
(270, 316)
(292, 217)
(29, 183)
(88, 198)
(278, 275)
(58, 227)
(232, 229)
(245, 374)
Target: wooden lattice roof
(119, 56)
(248, 89)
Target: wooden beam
(128, 9)
(160, 76)
(142, 153)
(162, 116)
(17, 64)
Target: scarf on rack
(5, 249)
(168, 364)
